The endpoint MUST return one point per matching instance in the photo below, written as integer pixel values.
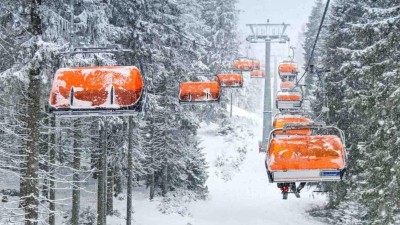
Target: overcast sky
(294, 12)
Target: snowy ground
(239, 192)
(245, 197)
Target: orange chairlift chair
(287, 85)
(288, 71)
(288, 100)
(257, 74)
(98, 90)
(281, 120)
(230, 80)
(199, 92)
(306, 158)
(244, 64)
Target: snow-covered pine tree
(311, 29)
(220, 17)
(377, 55)
(161, 35)
(361, 50)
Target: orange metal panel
(287, 67)
(306, 153)
(257, 74)
(279, 122)
(92, 87)
(288, 96)
(230, 80)
(199, 91)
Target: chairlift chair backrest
(287, 68)
(93, 89)
(246, 64)
(230, 80)
(197, 92)
(288, 100)
(311, 151)
(306, 158)
(288, 96)
(286, 85)
(257, 74)
(282, 120)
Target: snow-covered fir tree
(361, 50)
(169, 40)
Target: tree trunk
(31, 184)
(152, 185)
(54, 139)
(117, 182)
(22, 181)
(101, 181)
(45, 150)
(165, 179)
(110, 190)
(130, 173)
(76, 193)
(32, 151)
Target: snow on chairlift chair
(288, 71)
(98, 90)
(199, 92)
(230, 80)
(257, 74)
(288, 100)
(306, 158)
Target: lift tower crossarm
(267, 33)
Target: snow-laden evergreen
(171, 42)
(360, 47)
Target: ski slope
(245, 198)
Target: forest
(56, 161)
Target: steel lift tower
(267, 33)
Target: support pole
(267, 118)
(267, 33)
